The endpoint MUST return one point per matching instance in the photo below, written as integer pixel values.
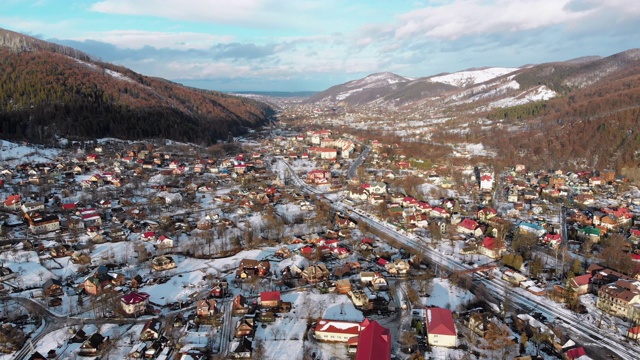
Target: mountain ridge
(49, 90)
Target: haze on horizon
(310, 45)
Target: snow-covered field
(446, 295)
(12, 154)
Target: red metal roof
(374, 343)
(270, 296)
(576, 353)
(135, 298)
(440, 322)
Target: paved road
(351, 173)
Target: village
(310, 244)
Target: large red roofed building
(374, 342)
(134, 303)
(441, 329)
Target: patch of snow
(472, 77)
(538, 93)
(93, 66)
(118, 75)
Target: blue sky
(295, 45)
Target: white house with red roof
(486, 182)
(486, 213)
(408, 201)
(134, 303)
(93, 158)
(441, 330)
(13, 202)
(470, 227)
(269, 299)
(438, 212)
(580, 284)
(492, 248)
(336, 331)
(553, 240)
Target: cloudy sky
(295, 45)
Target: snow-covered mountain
(479, 89)
(361, 91)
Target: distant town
(301, 241)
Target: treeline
(519, 112)
(43, 94)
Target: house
(163, 262)
(239, 305)
(634, 333)
(31, 206)
(79, 337)
(266, 316)
(241, 349)
(486, 182)
(580, 284)
(469, 226)
(590, 233)
(336, 331)
(618, 299)
(93, 344)
(553, 240)
(164, 242)
(397, 267)
(315, 273)
(138, 351)
(42, 223)
(269, 299)
(343, 286)
(358, 194)
(575, 353)
(530, 228)
(245, 327)
(52, 287)
(250, 267)
(491, 248)
(134, 303)
(486, 213)
(441, 330)
(97, 283)
(152, 330)
(206, 308)
(374, 342)
(13, 202)
(220, 289)
(379, 283)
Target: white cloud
(137, 39)
(476, 17)
(247, 13)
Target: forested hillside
(46, 90)
(592, 127)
